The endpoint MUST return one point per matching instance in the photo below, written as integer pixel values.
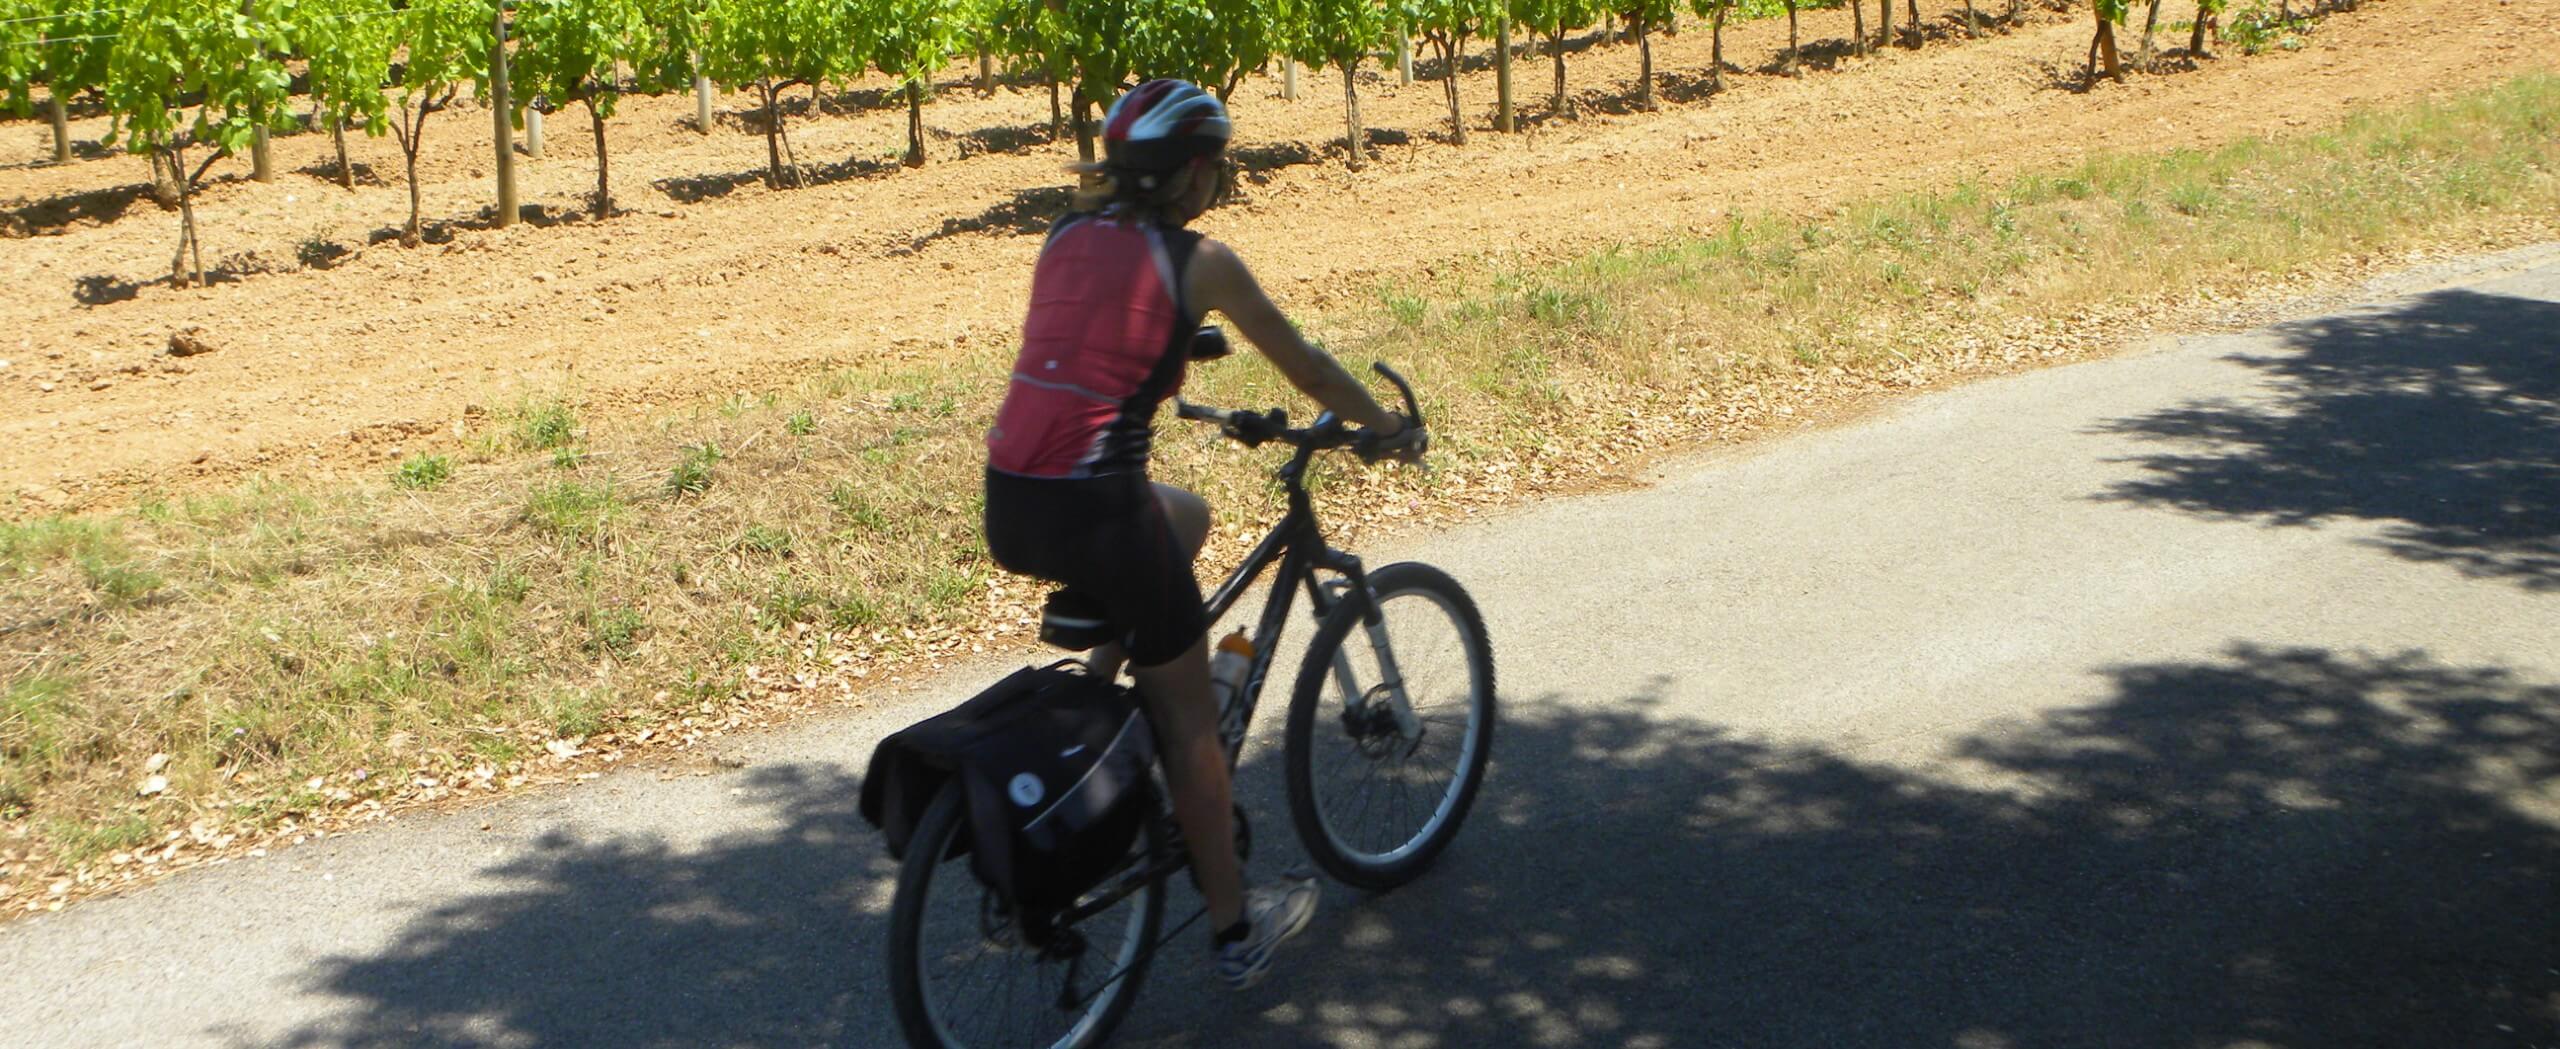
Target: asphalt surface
(2203, 696)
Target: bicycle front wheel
(961, 974)
(1377, 793)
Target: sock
(1232, 934)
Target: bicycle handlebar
(1255, 428)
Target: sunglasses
(1226, 170)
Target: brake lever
(1412, 407)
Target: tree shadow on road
(2273, 847)
(2439, 419)
(638, 942)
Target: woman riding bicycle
(1120, 289)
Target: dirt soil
(712, 285)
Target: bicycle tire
(1384, 869)
(928, 853)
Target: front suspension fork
(1355, 587)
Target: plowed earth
(711, 284)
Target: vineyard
(187, 83)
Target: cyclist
(1118, 293)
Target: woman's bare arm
(1217, 280)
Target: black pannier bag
(1054, 765)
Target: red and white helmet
(1161, 124)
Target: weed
(569, 509)
(575, 714)
(508, 585)
(763, 540)
(858, 511)
(546, 425)
(615, 630)
(422, 472)
(120, 582)
(2255, 28)
(80, 842)
(692, 475)
(35, 543)
(951, 587)
(852, 611)
(788, 601)
(2192, 198)
(800, 424)
(567, 457)
(1408, 311)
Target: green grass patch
(692, 475)
(545, 426)
(422, 472)
(573, 509)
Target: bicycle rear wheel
(1376, 798)
(961, 975)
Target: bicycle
(1380, 727)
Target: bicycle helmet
(1162, 124)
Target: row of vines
(189, 82)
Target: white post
(499, 114)
(1404, 58)
(533, 132)
(1289, 79)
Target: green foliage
(50, 43)
(1113, 44)
(1457, 19)
(1554, 18)
(442, 43)
(423, 471)
(347, 46)
(546, 425)
(1338, 32)
(692, 475)
(910, 40)
(765, 539)
(2256, 29)
(198, 72)
(567, 50)
(573, 50)
(781, 42)
(572, 510)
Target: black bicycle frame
(1297, 545)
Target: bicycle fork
(1390, 688)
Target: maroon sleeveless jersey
(1103, 345)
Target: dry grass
(274, 652)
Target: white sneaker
(1275, 912)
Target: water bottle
(1227, 670)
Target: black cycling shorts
(1106, 538)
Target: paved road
(2205, 696)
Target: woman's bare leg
(1185, 717)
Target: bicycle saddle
(1074, 622)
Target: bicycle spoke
(1379, 792)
